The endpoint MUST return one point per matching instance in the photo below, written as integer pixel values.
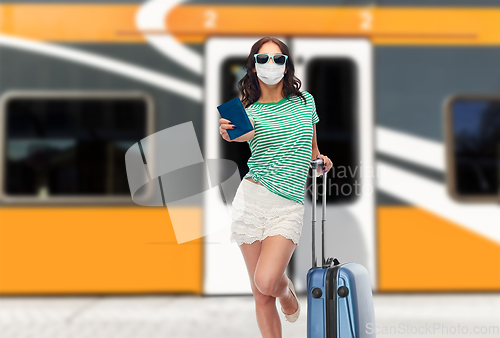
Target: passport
(234, 111)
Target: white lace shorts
(258, 213)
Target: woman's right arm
(226, 124)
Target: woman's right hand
(224, 125)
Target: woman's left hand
(327, 163)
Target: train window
(70, 145)
(332, 83)
(239, 152)
(473, 148)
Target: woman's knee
(262, 298)
(265, 283)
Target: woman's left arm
(315, 152)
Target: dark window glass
(476, 148)
(239, 152)
(70, 146)
(332, 83)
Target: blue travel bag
(339, 295)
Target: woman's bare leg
(266, 263)
(265, 306)
(270, 277)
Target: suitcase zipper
(331, 302)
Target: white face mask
(270, 73)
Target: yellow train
(82, 83)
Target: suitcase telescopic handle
(314, 165)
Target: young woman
(268, 207)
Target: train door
(328, 68)
(224, 268)
(338, 73)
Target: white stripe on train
(151, 16)
(188, 90)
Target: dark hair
(249, 86)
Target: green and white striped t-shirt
(282, 145)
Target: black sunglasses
(279, 59)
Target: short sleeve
(315, 118)
(250, 115)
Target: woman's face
(269, 48)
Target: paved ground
(397, 315)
